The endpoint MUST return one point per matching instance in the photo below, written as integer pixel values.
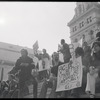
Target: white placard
(69, 75)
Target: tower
(86, 22)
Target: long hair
(79, 51)
(55, 58)
(96, 55)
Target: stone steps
(39, 88)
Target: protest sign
(35, 47)
(44, 64)
(61, 57)
(69, 75)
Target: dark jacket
(54, 69)
(25, 71)
(66, 52)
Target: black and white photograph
(49, 49)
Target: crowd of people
(25, 72)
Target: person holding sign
(45, 59)
(79, 52)
(87, 54)
(93, 76)
(65, 51)
(52, 81)
(45, 62)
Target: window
(74, 29)
(81, 24)
(89, 20)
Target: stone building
(86, 22)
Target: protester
(52, 81)
(79, 52)
(46, 59)
(45, 54)
(4, 86)
(36, 62)
(67, 56)
(94, 70)
(87, 54)
(25, 65)
(78, 91)
(35, 72)
(65, 51)
(45, 62)
(40, 76)
(10, 87)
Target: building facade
(86, 22)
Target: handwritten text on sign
(69, 75)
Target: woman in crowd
(94, 70)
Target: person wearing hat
(94, 70)
(25, 65)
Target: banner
(69, 75)
(61, 57)
(35, 47)
(35, 60)
(44, 64)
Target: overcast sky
(22, 23)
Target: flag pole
(35, 47)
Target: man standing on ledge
(65, 51)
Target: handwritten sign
(69, 75)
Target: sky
(23, 23)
